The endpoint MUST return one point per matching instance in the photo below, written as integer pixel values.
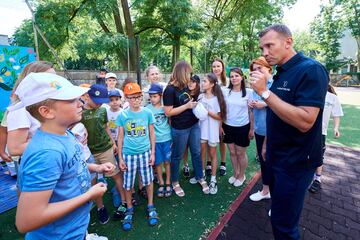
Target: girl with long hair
(185, 129)
(214, 102)
(238, 126)
(218, 68)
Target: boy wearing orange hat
(136, 147)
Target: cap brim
(100, 100)
(153, 92)
(70, 93)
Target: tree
(327, 28)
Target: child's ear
(46, 112)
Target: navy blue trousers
(288, 189)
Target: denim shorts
(163, 152)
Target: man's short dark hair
(279, 28)
(103, 70)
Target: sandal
(204, 185)
(161, 191)
(127, 222)
(168, 190)
(153, 218)
(178, 190)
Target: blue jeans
(288, 189)
(180, 138)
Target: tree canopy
(86, 32)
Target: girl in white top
(218, 68)
(21, 125)
(213, 101)
(332, 108)
(239, 124)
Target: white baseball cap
(111, 75)
(37, 87)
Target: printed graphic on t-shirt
(113, 127)
(184, 98)
(135, 128)
(160, 118)
(83, 175)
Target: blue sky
(13, 12)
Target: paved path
(334, 213)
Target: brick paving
(334, 213)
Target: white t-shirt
(80, 133)
(21, 118)
(237, 107)
(210, 127)
(112, 116)
(332, 107)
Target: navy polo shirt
(301, 81)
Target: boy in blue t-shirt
(163, 139)
(53, 179)
(136, 146)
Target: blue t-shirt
(301, 81)
(55, 162)
(162, 127)
(260, 114)
(136, 130)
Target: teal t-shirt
(161, 125)
(136, 130)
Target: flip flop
(168, 190)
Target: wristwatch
(265, 95)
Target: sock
(317, 177)
(203, 173)
(222, 164)
(213, 179)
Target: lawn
(194, 215)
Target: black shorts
(237, 135)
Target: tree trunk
(130, 33)
(176, 50)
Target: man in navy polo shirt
(295, 105)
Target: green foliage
(85, 32)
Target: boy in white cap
(53, 178)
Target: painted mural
(12, 61)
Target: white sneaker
(258, 196)
(239, 183)
(213, 187)
(269, 213)
(94, 236)
(232, 179)
(193, 180)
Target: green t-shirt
(95, 121)
(136, 130)
(161, 125)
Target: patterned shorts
(137, 163)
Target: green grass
(194, 215)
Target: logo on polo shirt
(284, 88)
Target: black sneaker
(208, 169)
(120, 212)
(103, 215)
(222, 170)
(186, 171)
(135, 199)
(315, 186)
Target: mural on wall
(12, 61)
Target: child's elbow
(21, 226)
